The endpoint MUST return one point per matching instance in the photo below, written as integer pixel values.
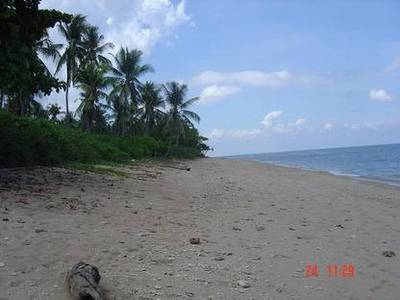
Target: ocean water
(379, 162)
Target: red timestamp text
(331, 270)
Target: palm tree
(74, 51)
(179, 115)
(127, 71)
(53, 110)
(93, 82)
(47, 49)
(93, 47)
(121, 111)
(151, 102)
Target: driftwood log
(83, 282)
(184, 168)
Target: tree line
(112, 97)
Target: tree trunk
(21, 109)
(1, 99)
(66, 99)
(83, 282)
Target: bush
(26, 141)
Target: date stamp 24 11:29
(334, 271)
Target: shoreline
(360, 178)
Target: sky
(271, 75)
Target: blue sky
(272, 75)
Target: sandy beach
(261, 227)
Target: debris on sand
(260, 228)
(82, 282)
(194, 240)
(388, 253)
(243, 284)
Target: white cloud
(245, 133)
(363, 125)
(269, 126)
(268, 119)
(215, 92)
(255, 78)
(133, 23)
(328, 126)
(151, 21)
(110, 20)
(216, 134)
(394, 66)
(380, 95)
(292, 127)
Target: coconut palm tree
(127, 70)
(53, 110)
(120, 111)
(74, 52)
(93, 47)
(179, 115)
(151, 103)
(93, 82)
(47, 49)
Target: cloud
(215, 92)
(380, 95)
(110, 20)
(293, 127)
(394, 66)
(269, 126)
(328, 126)
(152, 21)
(254, 78)
(268, 119)
(133, 23)
(363, 125)
(216, 134)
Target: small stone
(243, 284)
(388, 253)
(236, 228)
(194, 240)
(339, 226)
(219, 258)
(39, 230)
(260, 227)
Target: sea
(375, 162)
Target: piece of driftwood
(178, 167)
(83, 282)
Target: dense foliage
(28, 141)
(118, 117)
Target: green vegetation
(119, 118)
(28, 141)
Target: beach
(266, 232)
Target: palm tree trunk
(147, 128)
(1, 99)
(66, 99)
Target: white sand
(257, 223)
